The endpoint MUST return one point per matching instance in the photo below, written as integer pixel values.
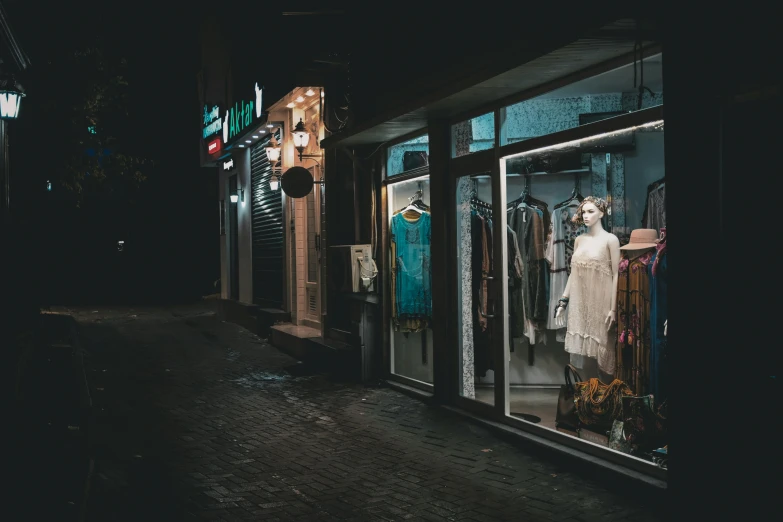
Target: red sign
(214, 146)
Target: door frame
(313, 320)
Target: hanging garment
(528, 226)
(658, 313)
(590, 297)
(633, 322)
(559, 250)
(412, 269)
(480, 259)
(516, 324)
(403, 324)
(654, 215)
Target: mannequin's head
(590, 211)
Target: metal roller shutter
(267, 211)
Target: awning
(490, 87)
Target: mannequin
(592, 285)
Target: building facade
(270, 243)
(461, 172)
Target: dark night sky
(171, 232)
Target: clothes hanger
(415, 202)
(576, 194)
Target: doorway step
(306, 344)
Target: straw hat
(642, 238)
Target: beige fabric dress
(590, 299)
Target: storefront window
(408, 156)
(410, 238)
(475, 295)
(473, 135)
(609, 94)
(615, 182)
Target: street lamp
(10, 103)
(11, 94)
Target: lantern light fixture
(273, 151)
(273, 155)
(234, 198)
(301, 137)
(11, 94)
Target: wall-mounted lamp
(273, 155)
(301, 137)
(273, 151)
(241, 195)
(234, 198)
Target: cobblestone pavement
(198, 419)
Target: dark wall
(170, 223)
(722, 97)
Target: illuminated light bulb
(322, 94)
(299, 99)
(255, 137)
(234, 198)
(241, 146)
(274, 184)
(291, 105)
(248, 141)
(269, 125)
(310, 92)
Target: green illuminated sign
(241, 116)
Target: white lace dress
(590, 299)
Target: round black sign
(297, 182)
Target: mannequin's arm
(614, 254)
(559, 318)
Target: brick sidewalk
(199, 419)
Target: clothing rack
(476, 204)
(542, 173)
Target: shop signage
(242, 115)
(228, 165)
(212, 121)
(214, 146)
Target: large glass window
(601, 96)
(410, 238)
(408, 156)
(473, 135)
(585, 211)
(476, 296)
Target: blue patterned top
(414, 273)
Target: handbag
(643, 427)
(617, 440)
(566, 416)
(413, 159)
(598, 404)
